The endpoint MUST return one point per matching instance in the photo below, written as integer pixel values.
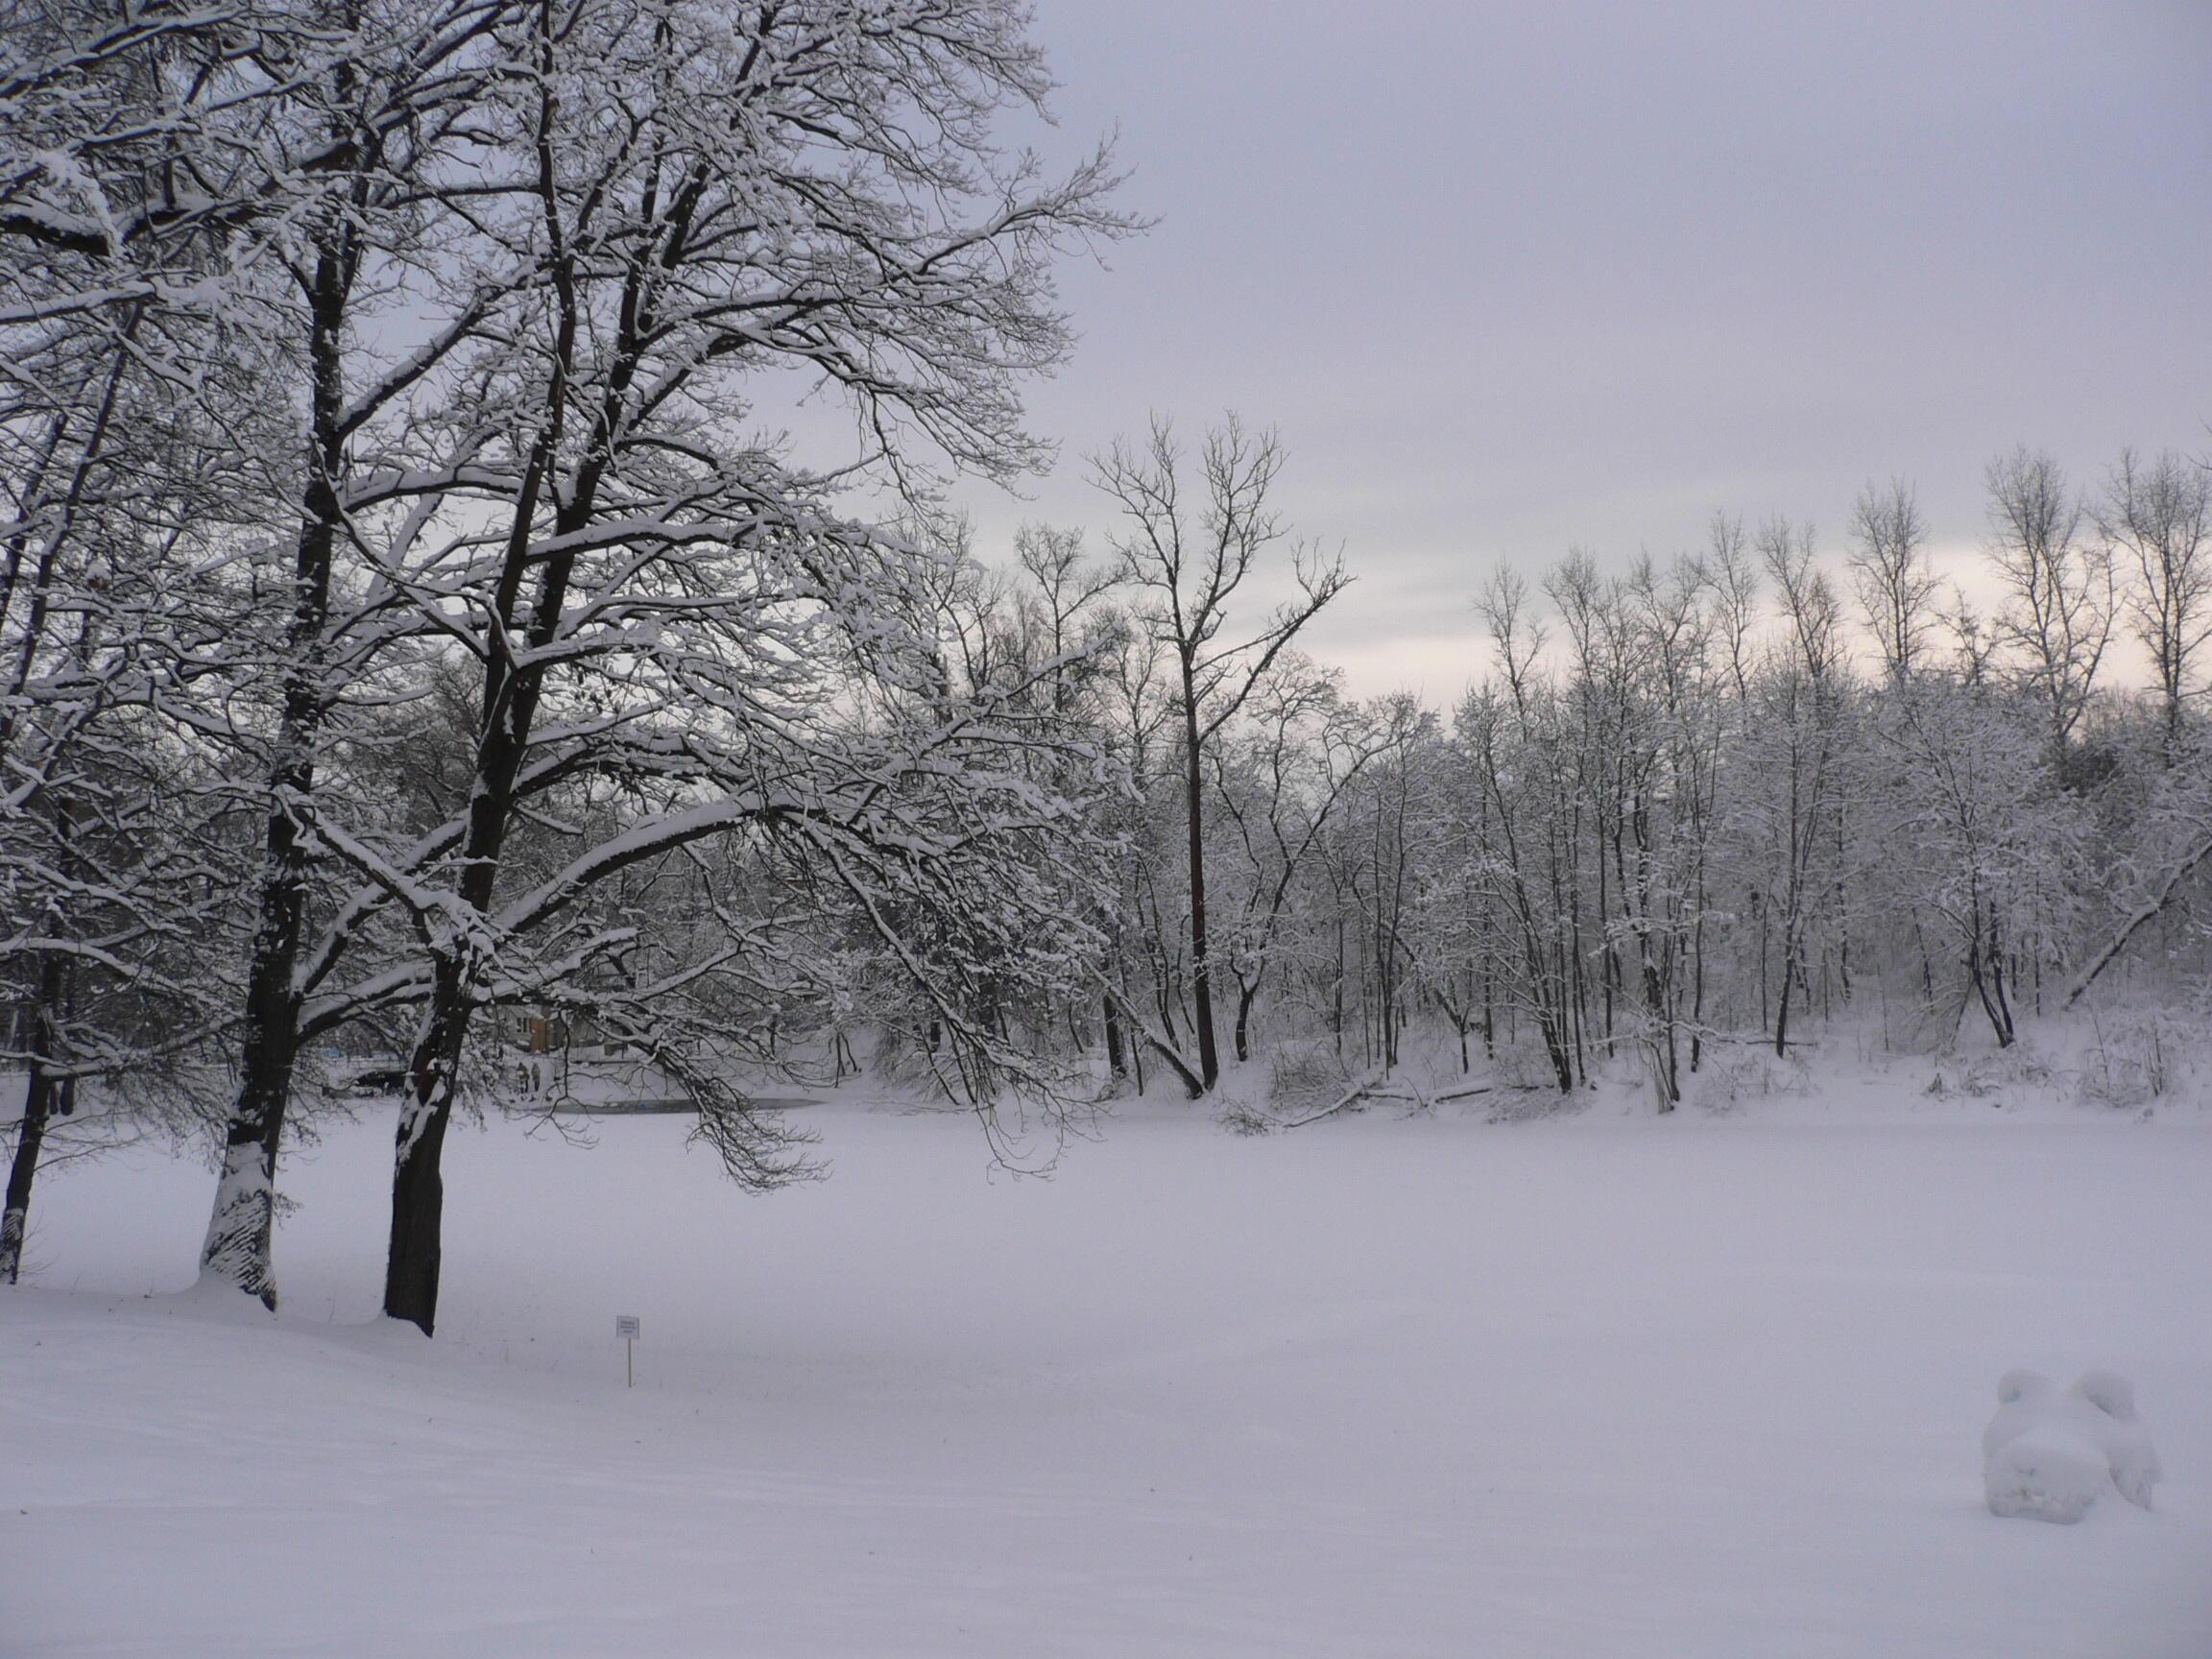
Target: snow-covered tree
(1188, 559)
(2156, 514)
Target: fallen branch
(2139, 920)
(1360, 1092)
(1158, 1045)
(1452, 1095)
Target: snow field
(1600, 1387)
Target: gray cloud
(1513, 278)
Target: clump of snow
(2109, 1416)
(2048, 1474)
(2049, 1456)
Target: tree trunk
(1987, 969)
(412, 1258)
(238, 1246)
(508, 712)
(1244, 995)
(1181, 1068)
(1697, 974)
(414, 1254)
(1336, 985)
(1202, 973)
(1781, 1009)
(1117, 1062)
(38, 1090)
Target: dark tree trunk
(1337, 986)
(38, 1094)
(418, 1190)
(1117, 1062)
(1555, 1049)
(1985, 969)
(1202, 973)
(413, 1253)
(417, 1212)
(1659, 1001)
(1781, 1009)
(1191, 1081)
(29, 1135)
(1244, 996)
(1697, 976)
(507, 716)
(239, 1231)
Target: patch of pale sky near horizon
(1514, 279)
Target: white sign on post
(626, 1328)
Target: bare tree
(1810, 607)
(2059, 599)
(376, 113)
(147, 178)
(1972, 838)
(2157, 515)
(1515, 748)
(1281, 783)
(1802, 720)
(1891, 574)
(1975, 640)
(1069, 599)
(714, 191)
(1732, 575)
(1190, 559)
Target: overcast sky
(1512, 278)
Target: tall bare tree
(1190, 557)
(2157, 515)
(2059, 598)
(377, 109)
(716, 190)
(1891, 574)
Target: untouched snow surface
(1381, 1387)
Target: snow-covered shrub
(1304, 1076)
(1733, 1076)
(2136, 1056)
(1523, 1066)
(1723, 1083)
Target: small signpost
(626, 1328)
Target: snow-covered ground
(1601, 1386)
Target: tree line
(1715, 801)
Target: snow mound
(2049, 1456)
(2048, 1474)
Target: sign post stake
(626, 1328)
